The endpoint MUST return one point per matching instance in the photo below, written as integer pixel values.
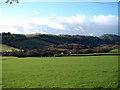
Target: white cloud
(105, 19)
(9, 29)
(53, 15)
(91, 34)
(79, 29)
(36, 12)
(79, 24)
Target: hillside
(53, 39)
(115, 51)
(110, 38)
(42, 40)
(4, 48)
(85, 40)
(31, 43)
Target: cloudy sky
(81, 18)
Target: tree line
(50, 52)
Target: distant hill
(22, 41)
(31, 43)
(110, 38)
(85, 40)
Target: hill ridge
(15, 40)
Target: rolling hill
(31, 43)
(110, 38)
(22, 41)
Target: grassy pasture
(115, 51)
(60, 72)
(4, 48)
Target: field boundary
(65, 55)
(87, 55)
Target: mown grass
(60, 72)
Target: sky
(67, 0)
(74, 18)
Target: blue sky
(60, 14)
(61, 9)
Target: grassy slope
(49, 39)
(114, 51)
(55, 39)
(4, 48)
(40, 41)
(31, 43)
(31, 35)
(34, 35)
(63, 72)
(109, 36)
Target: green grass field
(60, 72)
